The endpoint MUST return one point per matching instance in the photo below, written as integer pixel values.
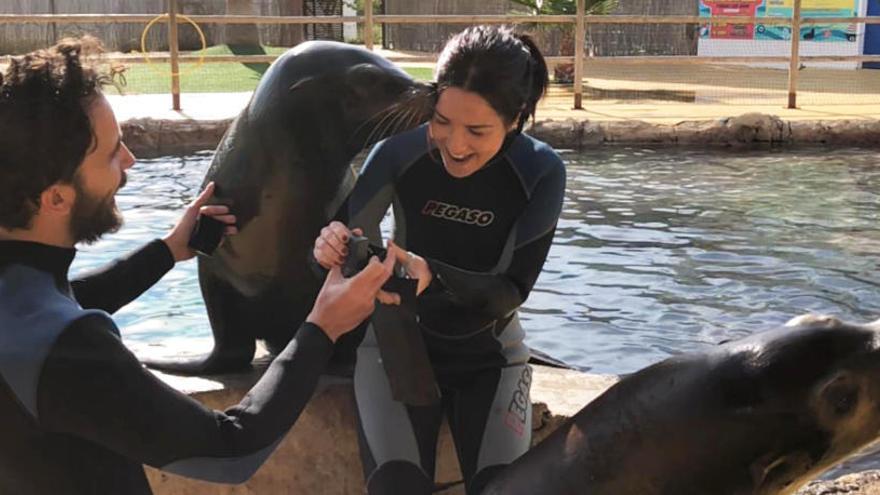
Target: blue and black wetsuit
(79, 415)
(485, 237)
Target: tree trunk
(242, 35)
(291, 35)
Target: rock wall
(320, 454)
(151, 137)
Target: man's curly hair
(45, 132)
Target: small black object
(359, 253)
(401, 345)
(206, 235)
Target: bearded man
(78, 412)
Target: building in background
(758, 39)
(22, 38)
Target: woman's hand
(415, 266)
(331, 246)
(178, 238)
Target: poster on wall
(780, 8)
(727, 8)
(812, 32)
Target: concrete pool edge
(148, 137)
(319, 454)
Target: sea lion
(761, 415)
(283, 166)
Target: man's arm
(120, 282)
(94, 388)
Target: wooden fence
(368, 20)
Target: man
(78, 413)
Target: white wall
(349, 29)
(758, 48)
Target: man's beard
(91, 217)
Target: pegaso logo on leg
(519, 403)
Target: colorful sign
(780, 8)
(727, 8)
(812, 32)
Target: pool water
(657, 252)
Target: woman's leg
(397, 442)
(491, 413)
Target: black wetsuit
(78, 412)
(486, 238)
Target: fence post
(795, 62)
(368, 24)
(173, 48)
(580, 39)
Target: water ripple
(657, 252)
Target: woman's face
(466, 130)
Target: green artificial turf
(221, 77)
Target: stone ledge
(320, 454)
(154, 137)
(864, 483)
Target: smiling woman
(466, 131)
(476, 203)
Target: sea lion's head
(353, 97)
(819, 379)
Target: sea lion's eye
(844, 402)
(841, 397)
(364, 76)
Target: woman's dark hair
(45, 132)
(505, 68)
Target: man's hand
(343, 303)
(178, 238)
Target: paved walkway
(657, 93)
(558, 106)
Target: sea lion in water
(284, 167)
(761, 415)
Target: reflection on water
(657, 252)
(151, 202)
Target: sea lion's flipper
(544, 359)
(233, 319)
(220, 360)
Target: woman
(475, 204)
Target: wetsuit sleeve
(120, 282)
(372, 194)
(496, 295)
(368, 201)
(92, 387)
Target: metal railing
(579, 19)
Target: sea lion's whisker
(390, 123)
(394, 124)
(375, 121)
(376, 131)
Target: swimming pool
(657, 252)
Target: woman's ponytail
(538, 75)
